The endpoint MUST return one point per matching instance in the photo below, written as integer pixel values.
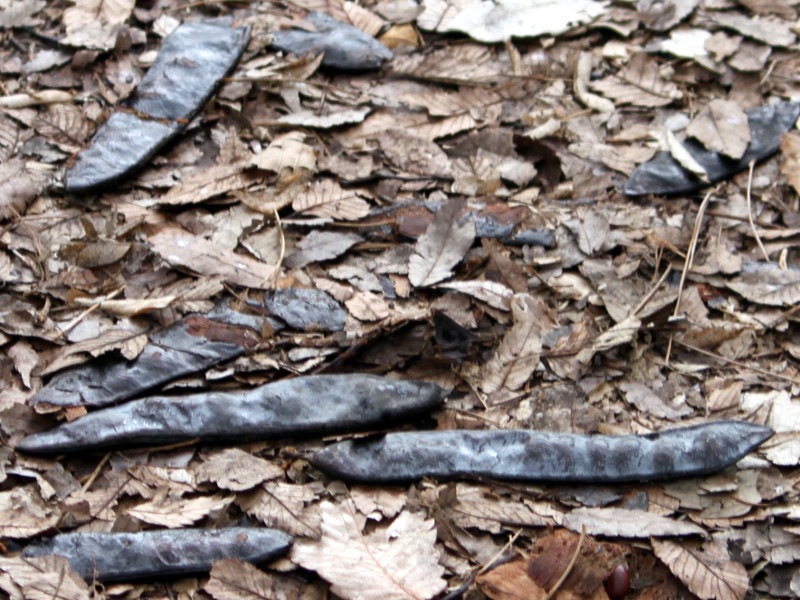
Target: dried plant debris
(663, 174)
(188, 69)
(344, 46)
(543, 456)
(312, 405)
(190, 345)
(160, 553)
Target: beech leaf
(705, 569)
(442, 246)
(722, 127)
(398, 562)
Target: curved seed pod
(187, 70)
(318, 404)
(543, 456)
(159, 553)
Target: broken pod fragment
(187, 71)
(664, 175)
(345, 47)
(117, 556)
(302, 406)
(526, 455)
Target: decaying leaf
(722, 127)
(392, 563)
(518, 354)
(639, 83)
(236, 470)
(627, 523)
(93, 23)
(705, 569)
(45, 578)
(442, 246)
(177, 512)
(232, 579)
(326, 198)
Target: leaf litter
(478, 170)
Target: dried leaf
(770, 286)
(621, 522)
(287, 152)
(398, 562)
(639, 83)
(705, 569)
(232, 579)
(722, 127)
(285, 507)
(442, 246)
(180, 248)
(45, 578)
(93, 23)
(177, 512)
(790, 150)
(518, 354)
(326, 198)
(19, 185)
(643, 398)
(236, 470)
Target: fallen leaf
(518, 354)
(177, 512)
(283, 506)
(705, 569)
(621, 522)
(326, 198)
(236, 470)
(399, 562)
(722, 127)
(639, 83)
(45, 578)
(442, 246)
(232, 579)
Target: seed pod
(302, 406)
(543, 456)
(618, 583)
(187, 70)
(159, 553)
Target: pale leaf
(705, 569)
(93, 23)
(207, 183)
(464, 63)
(518, 354)
(366, 20)
(236, 470)
(621, 522)
(646, 402)
(442, 246)
(639, 83)
(774, 287)
(722, 126)
(177, 512)
(495, 294)
(288, 151)
(180, 248)
(45, 578)
(313, 120)
(283, 506)
(790, 151)
(398, 562)
(233, 579)
(326, 198)
(621, 333)
(23, 514)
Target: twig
(649, 295)
(86, 313)
(568, 570)
(90, 480)
(750, 212)
(687, 265)
(497, 555)
(740, 364)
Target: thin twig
(69, 326)
(499, 553)
(750, 212)
(88, 483)
(740, 364)
(568, 570)
(687, 265)
(649, 295)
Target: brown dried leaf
(23, 514)
(10, 138)
(177, 512)
(705, 569)
(366, 20)
(790, 150)
(207, 183)
(722, 126)
(283, 506)
(448, 104)
(518, 354)
(639, 83)
(466, 64)
(326, 198)
(232, 579)
(644, 400)
(236, 470)
(45, 578)
(183, 249)
(770, 286)
(495, 294)
(392, 563)
(413, 153)
(320, 246)
(286, 155)
(20, 183)
(93, 23)
(442, 246)
(621, 522)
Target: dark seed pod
(618, 583)
(302, 406)
(543, 456)
(160, 553)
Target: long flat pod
(192, 344)
(543, 456)
(160, 553)
(318, 404)
(188, 69)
